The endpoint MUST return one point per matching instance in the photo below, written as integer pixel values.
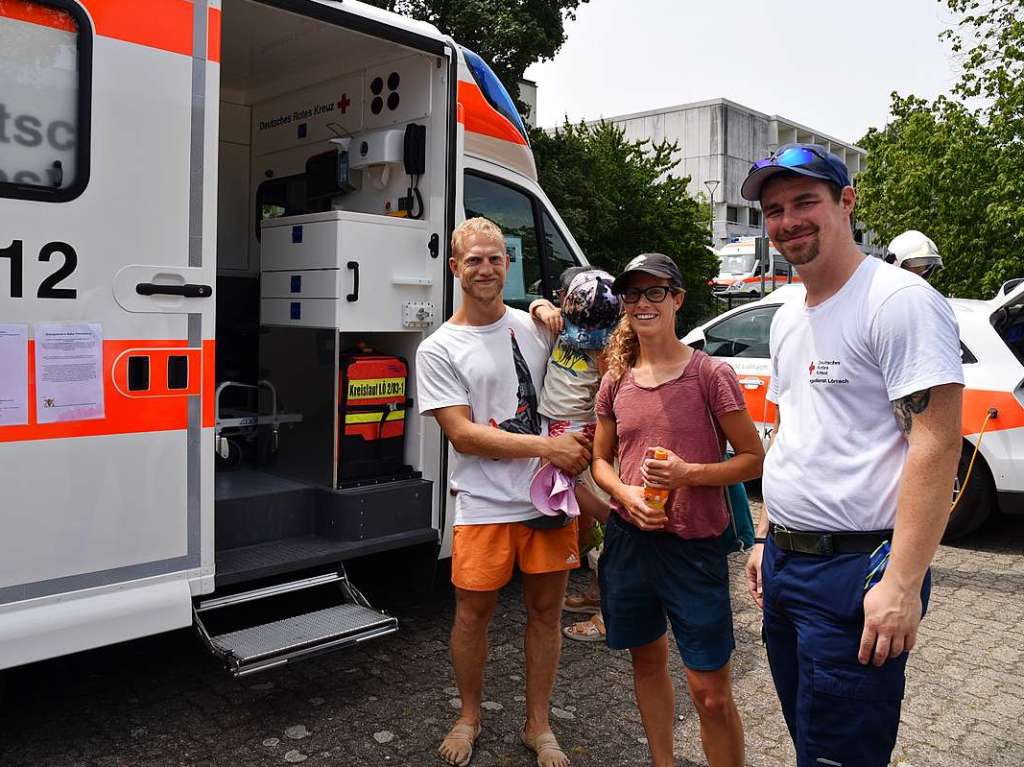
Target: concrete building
(718, 141)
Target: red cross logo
(345, 103)
(810, 370)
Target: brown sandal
(457, 747)
(582, 604)
(545, 746)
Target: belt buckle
(783, 538)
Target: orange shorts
(483, 556)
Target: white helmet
(915, 252)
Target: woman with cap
(668, 565)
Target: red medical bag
(371, 415)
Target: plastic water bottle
(656, 497)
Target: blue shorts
(837, 711)
(648, 576)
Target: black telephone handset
(415, 149)
(415, 161)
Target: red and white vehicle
(204, 204)
(740, 272)
(992, 348)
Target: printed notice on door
(13, 375)
(69, 372)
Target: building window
(754, 217)
(732, 214)
(45, 60)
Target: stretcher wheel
(979, 497)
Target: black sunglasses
(655, 294)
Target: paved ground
(162, 701)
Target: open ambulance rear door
(106, 319)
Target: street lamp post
(712, 185)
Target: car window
(558, 255)
(512, 210)
(741, 335)
(45, 68)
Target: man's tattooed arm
(905, 408)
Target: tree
(955, 171)
(508, 35)
(990, 38)
(934, 168)
(619, 198)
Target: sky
(828, 65)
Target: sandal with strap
(586, 631)
(545, 746)
(457, 747)
(582, 604)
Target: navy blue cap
(808, 160)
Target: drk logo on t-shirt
(821, 372)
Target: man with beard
(867, 378)
(478, 375)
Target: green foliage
(935, 168)
(619, 198)
(957, 172)
(508, 35)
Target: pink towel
(553, 492)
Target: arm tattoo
(905, 408)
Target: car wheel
(979, 496)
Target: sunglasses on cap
(792, 157)
(654, 294)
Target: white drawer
(300, 312)
(313, 283)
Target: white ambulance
(992, 350)
(212, 213)
(740, 273)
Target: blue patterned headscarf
(590, 310)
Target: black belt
(828, 544)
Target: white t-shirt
(497, 370)
(836, 462)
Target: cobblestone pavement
(162, 701)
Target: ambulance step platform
(247, 649)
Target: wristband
(758, 540)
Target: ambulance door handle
(188, 290)
(354, 295)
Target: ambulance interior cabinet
(355, 272)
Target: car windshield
(738, 264)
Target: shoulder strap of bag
(703, 376)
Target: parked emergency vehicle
(224, 230)
(992, 349)
(740, 270)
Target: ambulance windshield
(494, 91)
(737, 264)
